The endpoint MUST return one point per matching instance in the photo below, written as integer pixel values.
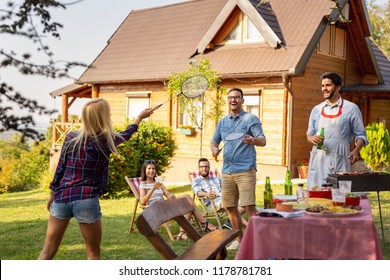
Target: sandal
(182, 236)
(205, 227)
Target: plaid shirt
(201, 184)
(84, 175)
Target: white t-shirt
(156, 195)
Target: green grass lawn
(23, 222)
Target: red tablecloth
(310, 237)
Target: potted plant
(302, 167)
(187, 130)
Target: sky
(87, 27)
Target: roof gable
(153, 43)
(263, 18)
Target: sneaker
(234, 245)
(227, 225)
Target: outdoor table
(365, 182)
(312, 237)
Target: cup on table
(345, 186)
(338, 197)
(305, 196)
(213, 194)
(158, 180)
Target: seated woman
(151, 191)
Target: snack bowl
(326, 193)
(284, 207)
(352, 200)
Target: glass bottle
(288, 183)
(268, 203)
(300, 193)
(320, 144)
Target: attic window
(333, 42)
(239, 29)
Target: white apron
(334, 157)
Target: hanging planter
(187, 130)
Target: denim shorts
(85, 210)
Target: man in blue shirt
(342, 122)
(239, 159)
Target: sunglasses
(150, 161)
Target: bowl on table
(352, 200)
(320, 193)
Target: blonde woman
(82, 175)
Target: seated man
(205, 186)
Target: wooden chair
(216, 212)
(208, 247)
(134, 184)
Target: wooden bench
(208, 247)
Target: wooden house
(275, 52)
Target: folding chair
(134, 183)
(216, 212)
(208, 247)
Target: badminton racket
(230, 137)
(191, 87)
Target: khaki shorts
(239, 186)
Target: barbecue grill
(365, 182)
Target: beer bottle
(268, 203)
(320, 144)
(288, 184)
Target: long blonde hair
(96, 122)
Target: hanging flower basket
(187, 130)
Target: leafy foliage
(152, 141)
(193, 106)
(22, 165)
(377, 153)
(32, 21)
(380, 22)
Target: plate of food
(333, 211)
(313, 201)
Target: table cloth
(312, 237)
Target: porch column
(95, 91)
(64, 117)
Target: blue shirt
(238, 156)
(351, 121)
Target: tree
(380, 22)
(32, 21)
(196, 108)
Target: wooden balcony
(60, 129)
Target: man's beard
(331, 94)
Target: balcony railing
(60, 129)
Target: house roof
(151, 44)
(72, 89)
(383, 68)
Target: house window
(332, 41)
(252, 103)
(251, 32)
(239, 29)
(191, 117)
(136, 102)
